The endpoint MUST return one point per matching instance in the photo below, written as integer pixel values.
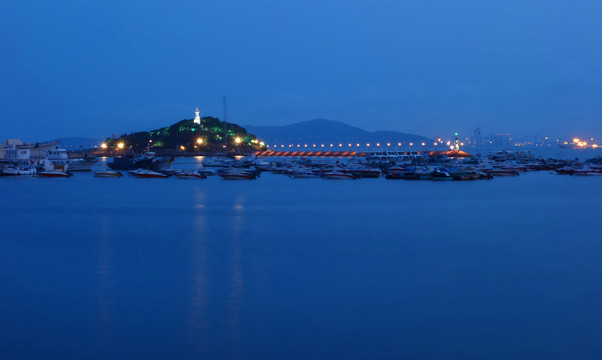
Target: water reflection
(198, 306)
(105, 306)
(236, 277)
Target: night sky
(93, 68)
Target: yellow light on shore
(182, 147)
(103, 146)
(199, 141)
(576, 140)
(120, 145)
(237, 140)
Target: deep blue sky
(92, 68)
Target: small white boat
(304, 175)
(17, 171)
(190, 175)
(148, 174)
(338, 175)
(233, 174)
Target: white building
(197, 116)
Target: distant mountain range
(322, 131)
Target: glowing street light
(199, 141)
(103, 146)
(120, 145)
(237, 140)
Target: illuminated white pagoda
(197, 116)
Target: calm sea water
(283, 268)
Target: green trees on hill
(185, 135)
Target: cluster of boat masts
(55, 163)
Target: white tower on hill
(197, 116)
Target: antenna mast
(225, 127)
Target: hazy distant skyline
(74, 68)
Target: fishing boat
(148, 160)
(85, 164)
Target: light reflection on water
(198, 312)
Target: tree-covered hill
(185, 135)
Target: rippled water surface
(284, 268)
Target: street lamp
(199, 141)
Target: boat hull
(108, 174)
(54, 174)
(236, 177)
